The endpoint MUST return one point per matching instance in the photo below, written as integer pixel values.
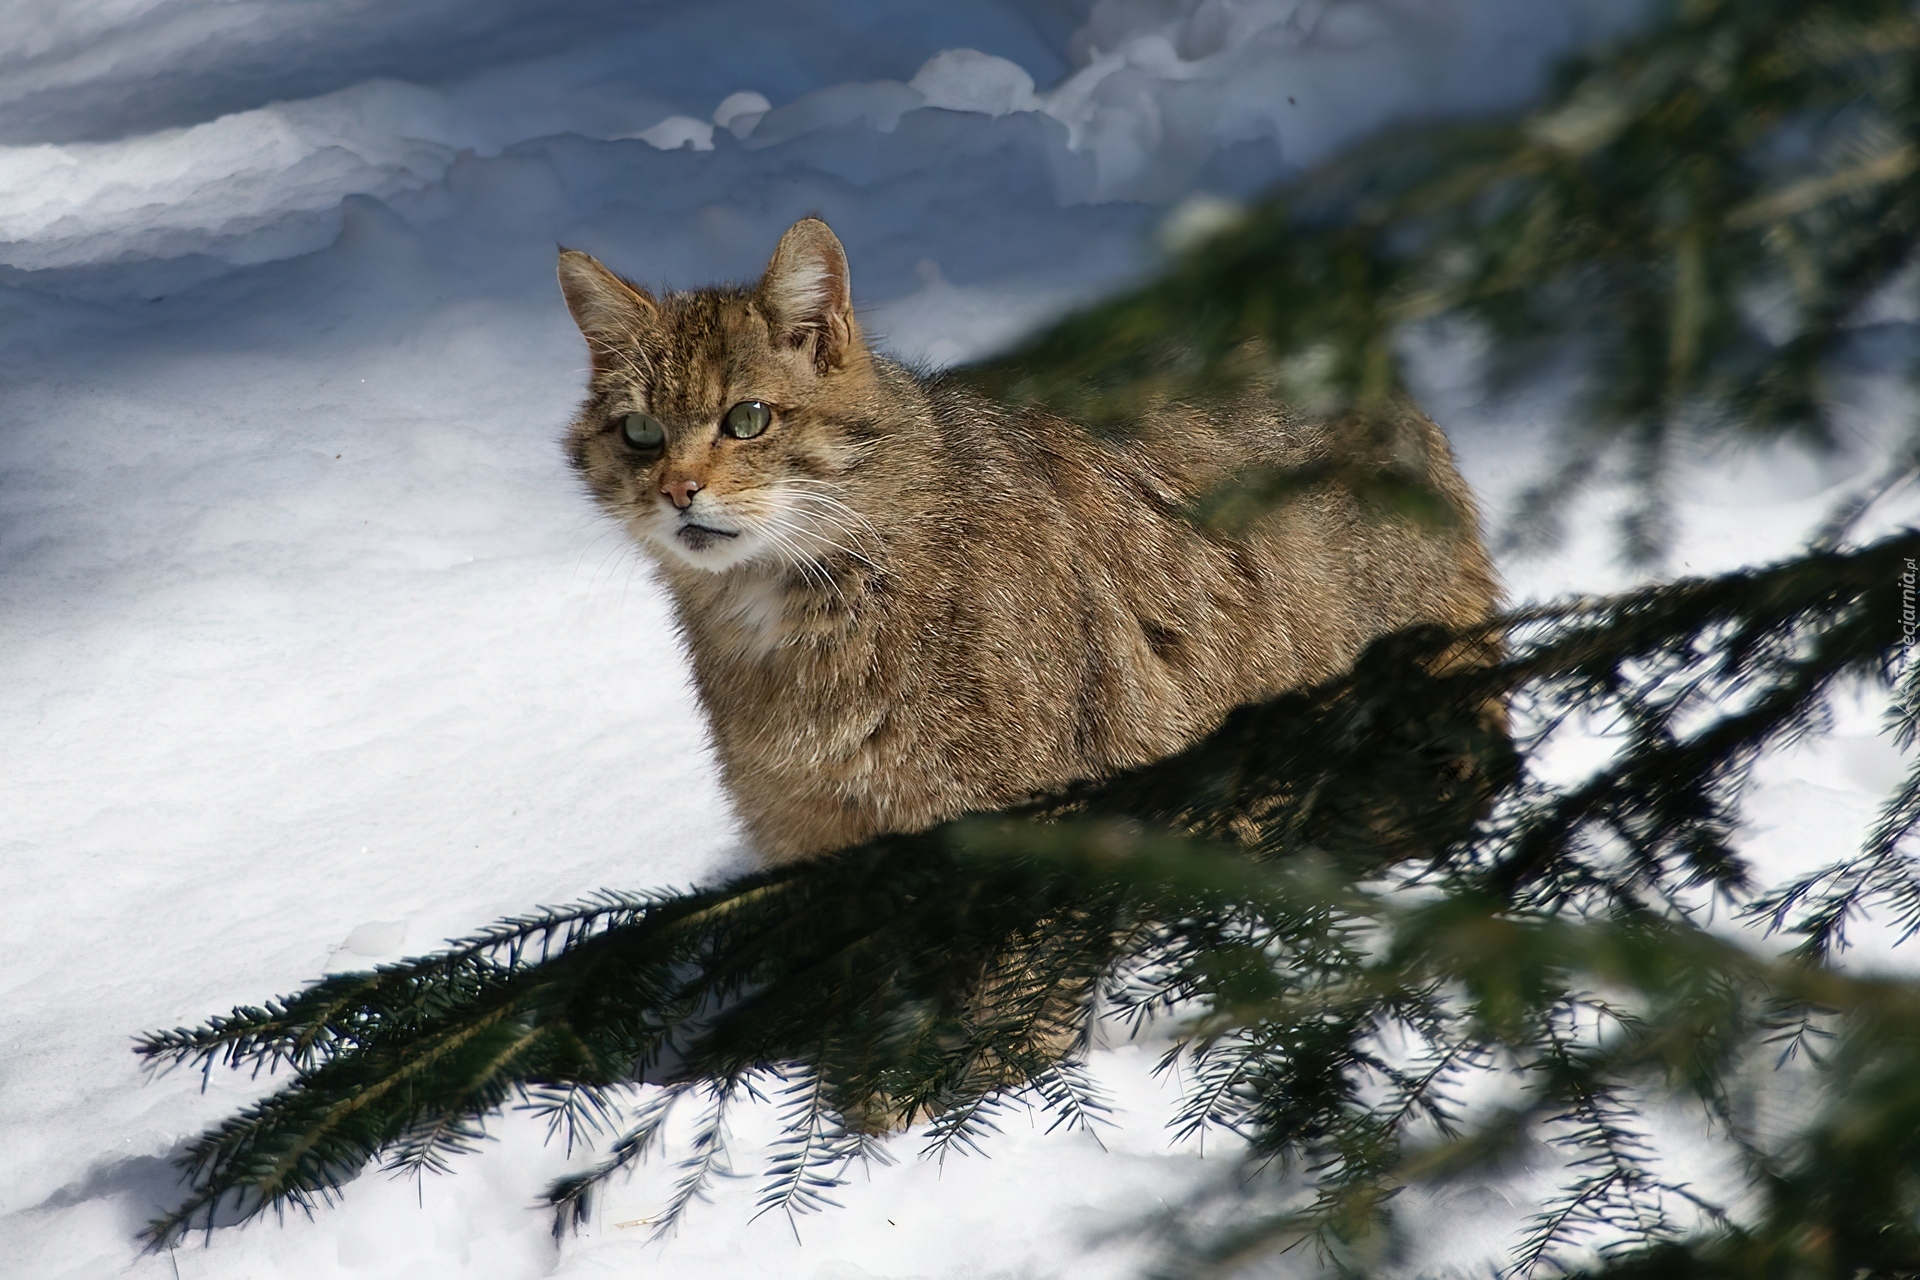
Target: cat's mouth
(698, 537)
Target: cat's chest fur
(779, 663)
(751, 619)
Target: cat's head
(722, 424)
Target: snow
(968, 80)
(314, 654)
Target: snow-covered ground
(314, 656)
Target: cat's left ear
(807, 298)
(611, 313)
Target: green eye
(747, 420)
(643, 432)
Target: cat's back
(1366, 522)
(1204, 556)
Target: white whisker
(828, 516)
(776, 532)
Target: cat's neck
(759, 610)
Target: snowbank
(1159, 90)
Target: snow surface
(314, 655)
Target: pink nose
(680, 491)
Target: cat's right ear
(611, 313)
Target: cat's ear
(806, 295)
(610, 312)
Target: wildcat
(904, 601)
